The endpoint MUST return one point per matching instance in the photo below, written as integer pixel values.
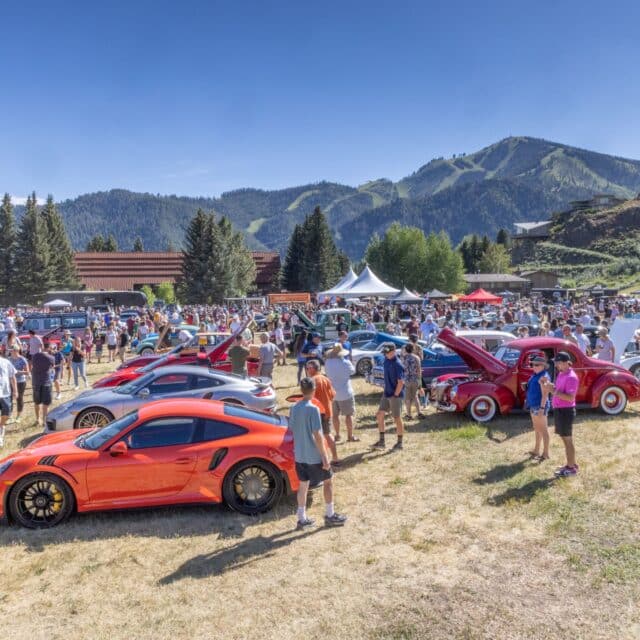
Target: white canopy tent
(368, 285)
(346, 281)
(405, 297)
(56, 304)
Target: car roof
(182, 406)
(538, 342)
(189, 369)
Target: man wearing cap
(392, 396)
(312, 461)
(339, 370)
(268, 354)
(42, 368)
(563, 400)
(605, 348)
(312, 348)
(428, 327)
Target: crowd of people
(327, 399)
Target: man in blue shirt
(312, 461)
(391, 396)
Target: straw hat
(337, 351)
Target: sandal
(337, 438)
(533, 455)
(353, 439)
(542, 458)
(407, 417)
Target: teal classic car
(148, 345)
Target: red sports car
(183, 354)
(166, 452)
(497, 383)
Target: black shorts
(42, 394)
(111, 347)
(5, 406)
(326, 425)
(313, 473)
(563, 421)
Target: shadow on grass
(156, 522)
(237, 556)
(499, 473)
(521, 495)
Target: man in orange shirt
(324, 395)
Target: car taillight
(263, 393)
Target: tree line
(36, 255)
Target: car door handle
(183, 460)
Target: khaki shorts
(344, 407)
(411, 391)
(393, 404)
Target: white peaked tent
(405, 297)
(368, 284)
(345, 283)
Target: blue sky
(200, 97)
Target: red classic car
(497, 383)
(214, 355)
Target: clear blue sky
(200, 97)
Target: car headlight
(5, 465)
(454, 392)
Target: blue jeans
(78, 368)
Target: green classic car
(148, 345)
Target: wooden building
(120, 270)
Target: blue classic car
(438, 360)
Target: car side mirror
(118, 449)
(144, 392)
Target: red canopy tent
(481, 296)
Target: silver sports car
(97, 407)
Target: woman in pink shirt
(563, 401)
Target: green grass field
(457, 536)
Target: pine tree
(7, 249)
(320, 266)
(33, 254)
(62, 265)
(503, 238)
(290, 276)
(137, 245)
(110, 244)
(194, 285)
(96, 244)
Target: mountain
(518, 178)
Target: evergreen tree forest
(36, 256)
(215, 261)
(313, 262)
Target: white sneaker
(1, 437)
(58, 396)
(76, 388)
(19, 419)
(11, 420)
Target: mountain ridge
(516, 178)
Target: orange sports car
(166, 452)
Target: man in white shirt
(339, 371)
(583, 341)
(428, 327)
(8, 388)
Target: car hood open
(475, 357)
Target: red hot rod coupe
(497, 383)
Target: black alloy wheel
(252, 486)
(41, 501)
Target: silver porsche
(98, 407)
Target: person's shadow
(237, 556)
(521, 495)
(499, 473)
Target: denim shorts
(539, 411)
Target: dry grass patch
(457, 536)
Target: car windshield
(96, 438)
(370, 346)
(131, 387)
(508, 355)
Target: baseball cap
(315, 334)
(538, 360)
(388, 347)
(562, 356)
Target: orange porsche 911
(166, 452)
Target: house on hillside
(541, 278)
(599, 201)
(525, 238)
(498, 282)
